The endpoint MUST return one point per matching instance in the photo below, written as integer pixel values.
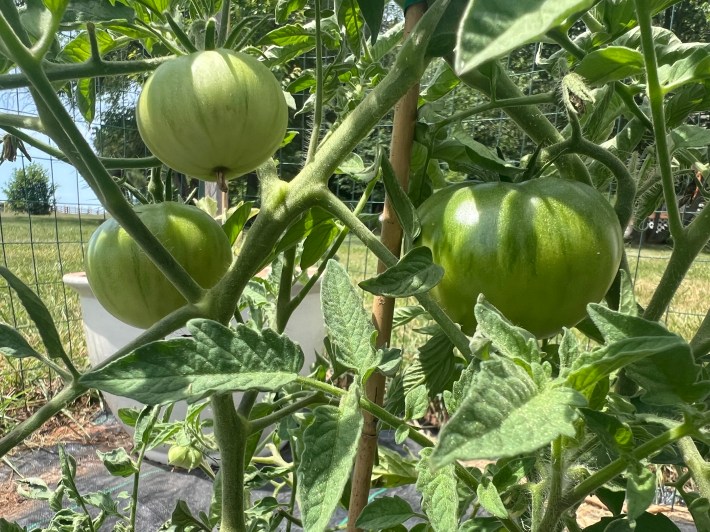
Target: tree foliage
(30, 190)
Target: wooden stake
(405, 116)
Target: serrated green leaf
(384, 512)
(692, 68)
(372, 12)
(217, 359)
(616, 326)
(593, 366)
(455, 397)
(235, 223)
(489, 499)
(439, 492)
(416, 402)
(505, 413)
(464, 154)
(349, 326)
(404, 315)
(614, 434)
(393, 469)
(569, 350)
(85, 94)
(350, 19)
(289, 36)
(403, 207)
(300, 230)
(317, 243)
(38, 314)
(435, 365)
(401, 434)
(493, 28)
(513, 342)
(640, 491)
(627, 299)
(14, 345)
(481, 524)
(330, 444)
(118, 463)
(689, 136)
(285, 7)
(612, 63)
(415, 273)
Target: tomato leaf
(404, 315)
(403, 207)
(118, 463)
(38, 314)
(490, 500)
(612, 63)
(519, 415)
(14, 345)
(669, 376)
(285, 7)
(415, 273)
(330, 444)
(439, 494)
(640, 490)
(613, 434)
(372, 12)
(235, 223)
(591, 367)
(303, 227)
(384, 512)
(217, 359)
(349, 326)
(350, 19)
(317, 243)
(492, 28)
(416, 403)
(694, 67)
(513, 342)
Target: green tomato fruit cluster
(125, 281)
(212, 114)
(539, 251)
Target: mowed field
(40, 249)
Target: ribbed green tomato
(125, 281)
(539, 251)
(212, 112)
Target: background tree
(30, 190)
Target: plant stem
(87, 69)
(697, 235)
(535, 99)
(231, 432)
(285, 285)
(318, 108)
(615, 468)
(224, 23)
(551, 516)
(55, 405)
(261, 423)
(109, 163)
(528, 117)
(700, 344)
(655, 97)
(331, 203)
(25, 122)
(699, 468)
(410, 64)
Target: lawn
(40, 249)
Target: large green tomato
(125, 281)
(212, 113)
(539, 251)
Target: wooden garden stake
(405, 117)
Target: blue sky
(72, 190)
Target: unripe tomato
(539, 251)
(184, 456)
(212, 112)
(130, 286)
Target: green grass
(39, 250)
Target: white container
(105, 335)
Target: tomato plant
(212, 113)
(562, 419)
(539, 251)
(130, 286)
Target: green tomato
(184, 456)
(125, 281)
(212, 113)
(539, 251)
